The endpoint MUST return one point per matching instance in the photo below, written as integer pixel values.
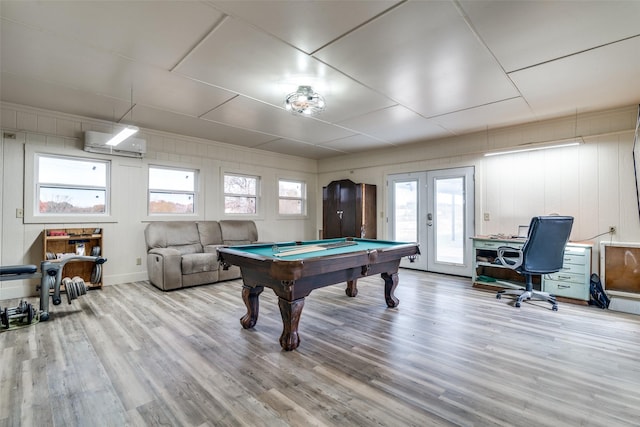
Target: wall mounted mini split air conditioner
(96, 142)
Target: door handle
(429, 219)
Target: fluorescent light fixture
(124, 134)
(536, 147)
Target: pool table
(294, 269)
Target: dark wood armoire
(349, 210)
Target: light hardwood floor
(448, 355)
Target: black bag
(598, 297)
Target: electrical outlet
(487, 216)
(138, 261)
(612, 229)
(19, 213)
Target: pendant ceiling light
(304, 101)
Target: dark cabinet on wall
(349, 210)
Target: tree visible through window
(291, 197)
(171, 190)
(240, 194)
(71, 186)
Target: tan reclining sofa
(184, 253)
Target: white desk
(570, 282)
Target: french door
(436, 209)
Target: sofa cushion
(197, 263)
(210, 233)
(164, 234)
(213, 248)
(238, 232)
(188, 249)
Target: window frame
(195, 193)
(303, 198)
(34, 215)
(258, 199)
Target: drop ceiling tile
(300, 149)
(47, 57)
(168, 91)
(159, 33)
(241, 59)
(355, 143)
(324, 21)
(186, 125)
(424, 56)
(503, 113)
(533, 32)
(592, 80)
(396, 125)
(73, 64)
(47, 95)
(247, 113)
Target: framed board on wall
(636, 160)
(620, 268)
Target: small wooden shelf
(61, 242)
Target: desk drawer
(572, 269)
(570, 258)
(566, 276)
(494, 245)
(567, 289)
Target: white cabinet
(570, 282)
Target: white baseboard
(13, 289)
(116, 279)
(625, 305)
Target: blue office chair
(542, 253)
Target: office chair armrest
(510, 262)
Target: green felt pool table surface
(267, 250)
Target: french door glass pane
(406, 211)
(449, 220)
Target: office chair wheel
(554, 307)
(517, 304)
(498, 296)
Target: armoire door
(331, 211)
(349, 210)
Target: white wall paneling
(47, 131)
(593, 182)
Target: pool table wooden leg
(390, 284)
(290, 312)
(250, 297)
(352, 288)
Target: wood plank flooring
(448, 355)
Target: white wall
(46, 131)
(593, 182)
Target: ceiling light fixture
(535, 147)
(304, 101)
(122, 135)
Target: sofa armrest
(165, 252)
(164, 266)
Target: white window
(241, 194)
(71, 186)
(172, 190)
(292, 197)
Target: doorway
(436, 209)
